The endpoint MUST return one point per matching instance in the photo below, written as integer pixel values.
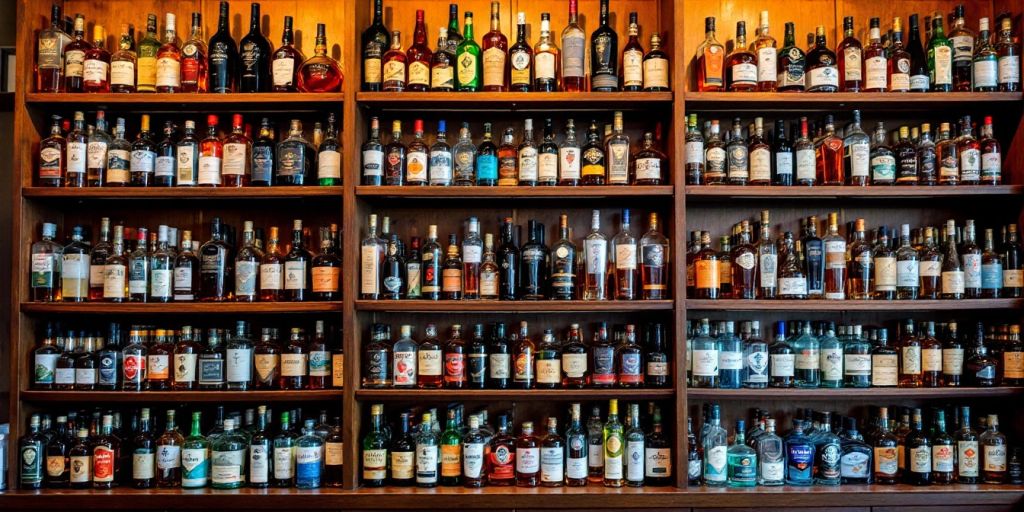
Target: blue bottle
(799, 456)
(730, 358)
(309, 459)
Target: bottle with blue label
(799, 456)
(309, 458)
(487, 160)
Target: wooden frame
(351, 203)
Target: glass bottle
(822, 72)
(495, 49)
(851, 59)
(741, 63)
(1009, 57)
(547, 59)
(468, 69)
(96, 67)
(375, 41)
(940, 57)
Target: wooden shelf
(808, 306)
(887, 102)
(521, 193)
(170, 102)
(189, 308)
(511, 101)
(191, 193)
(305, 395)
(994, 497)
(520, 306)
(871, 394)
(516, 395)
(714, 193)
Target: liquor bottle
(984, 61)
(604, 54)
(325, 270)
(861, 280)
(546, 59)
(52, 162)
(495, 48)
(122, 62)
(971, 256)
(499, 359)
(469, 66)
(106, 449)
(500, 459)
(563, 273)
(211, 154)
(96, 152)
(417, 58)
(161, 268)
(968, 453)
(759, 155)
(968, 149)
(254, 56)
(991, 269)
(298, 267)
(573, 53)
(1012, 263)
(534, 256)
(830, 153)
(918, 450)
(806, 161)
(991, 156)
(595, 249)
(188, 154)
(737, 151)
(715, 441)
(427, 455)
(143, 454)
(50, 59)
(952, 358)
(454, 360)
(527, 458)
(614, 444)
(767, 58)
(168, 60)
(828, 454)
(223, 56)
(442, 64)
(165, 165)
(741, 63)
(417, 158)
(523, 360)
(767, 261)
(822, 72)
(707, 270)
(800, 456)
(149, 47)
(487, 160)
(790, 66)
(855, 467)
(1009, 57)
(654, 262)
(851, 59)
(115, 271)
(520, 59)
(193, 58)
(919, 77)
(547, 157)
(286, 61)
(451, 273)
(624, 260)
(899, 60)
(195, 459)
(807, 349)
(294, 157)
(876, 68)
(940, 57)
(320, 73)
(70, 265)
(376, 39)
(711, 60)
(962, 39)
(953, 278)
(526, 158)
(884, 363)
(593, 153)
(695, 155)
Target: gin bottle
(742, 460)
(770, 456)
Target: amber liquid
(625, 284)
(654, 280)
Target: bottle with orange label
(707, 271)
(326, 271)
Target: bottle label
(705, 363)
(715, 464)
(855, 465)
(122, 73)
(1013, 278)
(911, 360)
(967, 458)
(728, 360)
(394, 71)
(235, 158)
(883, 168)
(805, 165)
(375, 465)
(426, 463)
(416, 163)
(467, 68)
(292, 365)
(618, 163)
(953, 281)
(442, 77)
(472, 460)
(325, 279)
(574, 365)
(991, 165)
(768, 266)
(185, 367)
(761, 165)
(450, 463)
(885, 273)
(920, 459)
(429, 362)
(103, 460)
(766, 69)
(576, 467)
(808, 359)
(632, 68)
(931, 360)
(168, 72)
(887, 460)
(783, 365)
(930, 268)
(195, 467)
(569, 163)
(1009, 69)
(907, 274)
(334, 454)
(952, 361)
(319, 363)
(744, 73)
(942, 73)
(994, 458)
(792, 286)
(985, 73)
(656, 73)
(549, 371)
(95, 71)
(519, 67)
(209, 170)
(831, 364)
(245, 278)
(186, 165)
(419, 73)
(270, 276)
(857, 365)
(494, 67)
(77, 152)
(284, 462)
(827, 77)
(875, 68)
(267, 366)
(239, 364)
(970, 164)
(544, 66)
(283, 72)
(373, 163)
(942, 458)
(784, 163)
(295, 275)
(884, 370)
(756, 362)
(853, 56)
(1013, 364)
(500, 366)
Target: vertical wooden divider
(672, 12)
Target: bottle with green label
(195, 462)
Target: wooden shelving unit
(681, 207)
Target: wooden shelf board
(482, 101)
(193, 308)
(197, 193)
(707, 192)
(306, 395)
(852, 393)
(266, 101)
(517, 395)
(560, 193)
(520, 306)
(852, 305)
(506, 498)
(774, 101)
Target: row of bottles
(80, 156)
(95, 450)
(606, 160)
(222, 269)
(503, 360)
(68, 62)
(624, 268)
(610, 453)
(853, 267)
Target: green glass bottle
(468, 67)
(227, 463)
(635, 451)
(195, 461)
(940, 57)
(146, 65)
(375, 451)
(284, 454)
(451, 451)
(741, 460)
(614, 441)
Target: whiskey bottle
(791, 62)
(899, 60)
(546, 59)
(595, 247)
(213, 265)
(394, 74)
(792, 281)
(593, 160)
(991, 156)
(451, 273)
(694, 152)
(417, 158)
(96, 152)
(165, 166)
(211, 154)
(741, 63)
(440, 163)
(119, 156)
(413, 270)
(430, 267)
(285, 61)
(161, 268)
(706, 269)
(861, 272)
(142, 166)
(294, 157)
(806, 161)
(547, 157)
(417, 57)
(1009, 57)
(737, 151)
(767, 261)
(953, 282)
(168, 60)
(489, 272)
(325, 270)
(442, 64)
(495, 48)
(96, 66)
(971, 256)
(766, 57)
(563, 264)
(931, 259)
(624, 260)
(962, 39)
(534, 257)
(814, 259)
(376, 39)
(138, 269)
(969, 151)
(508, 262)
(876, 67)
(830, 153)
(654, 262)
(526, 158)
(822, 72)
(328, 157)
(520, 59)
(604, 54)
(759, 155)
(50, 59)
(254, 56)
(223, 57)
(1012, 273)
(851, 59)
(984, 61)
(711, 60)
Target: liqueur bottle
(223, 57)
(604, 52)
(286, 61)
(376, 39)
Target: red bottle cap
(418, 125)
(211, 120)
(236, 121)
